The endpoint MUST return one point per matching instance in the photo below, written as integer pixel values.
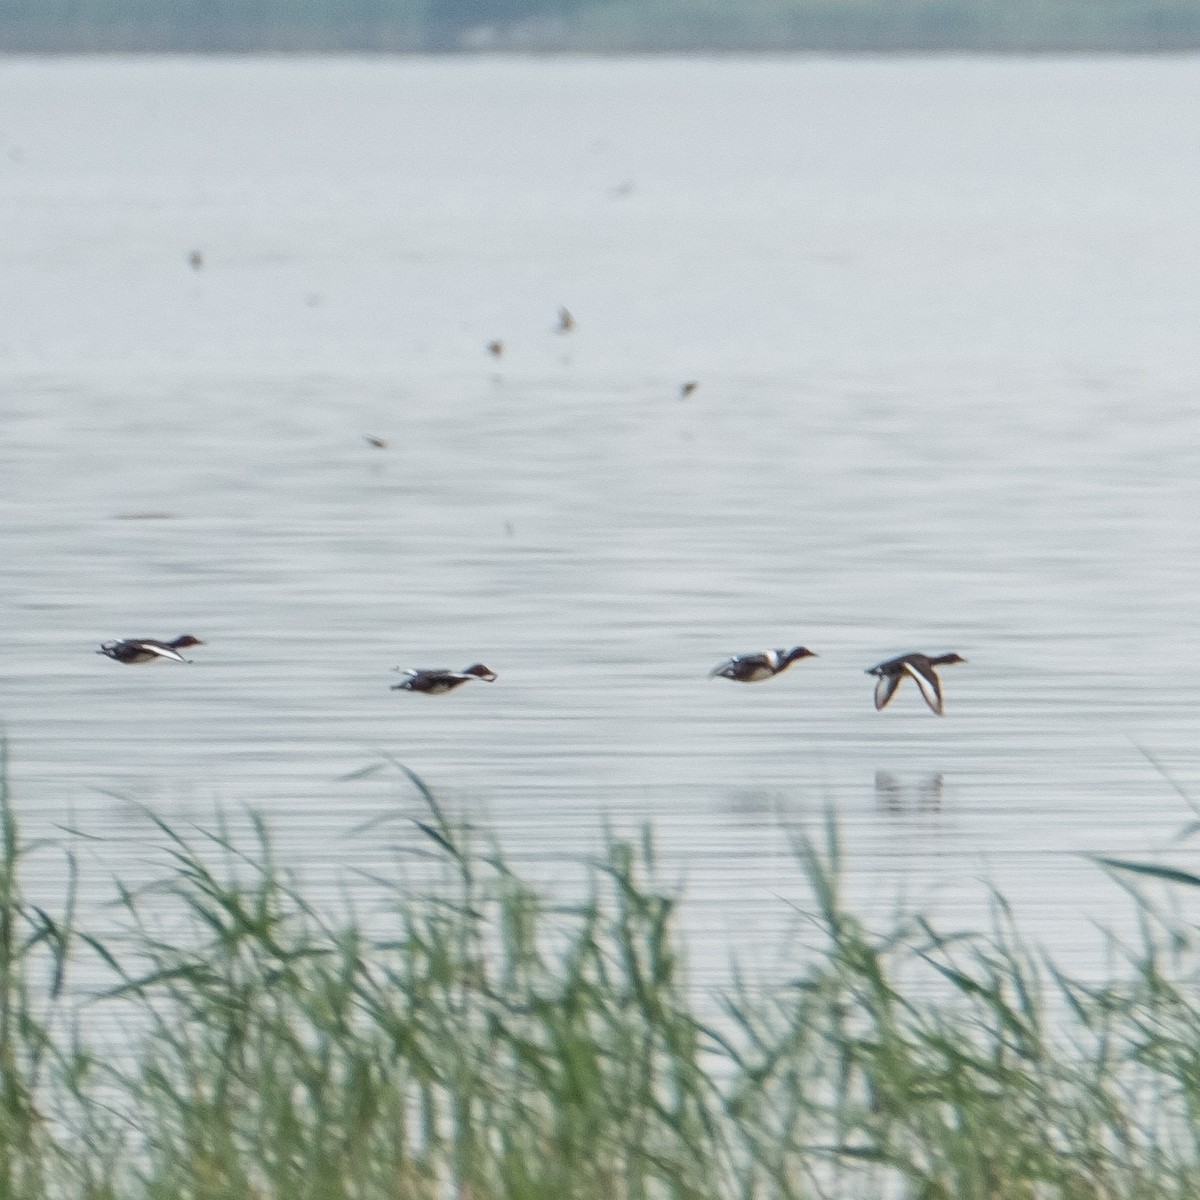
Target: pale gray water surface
(943, 315)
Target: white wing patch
(162, 651)
(929, 686)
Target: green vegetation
(478, 1042)
(600, 25)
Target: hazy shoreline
(620, 28)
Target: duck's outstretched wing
(428, 679)
(885, 689)
(931, 688)
(747, 668)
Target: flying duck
(140, 650)
(750, 668)
(436, 681)
(917, 667)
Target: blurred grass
(487, 1043)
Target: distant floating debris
(144, 516)
(686, 389)
(496, 348)
(623, 189)
(378, 442)
(566, 322)
(196, 260)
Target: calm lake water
(943, 316)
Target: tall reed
(480, 1041)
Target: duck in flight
(435, 681)
(140, 650)
(750, 668)
(917, 667)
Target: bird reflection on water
(921, 793)
(761, 806)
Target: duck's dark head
(181, 643)
(945, 660)
(798, 652)
(480, 672)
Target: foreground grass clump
(478, 1043)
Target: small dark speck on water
(378, 442)
(196, 260)
(686, 389)
(496, 348)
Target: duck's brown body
(750, 668)
(435, 681)
(917, 667)
(142, 650)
